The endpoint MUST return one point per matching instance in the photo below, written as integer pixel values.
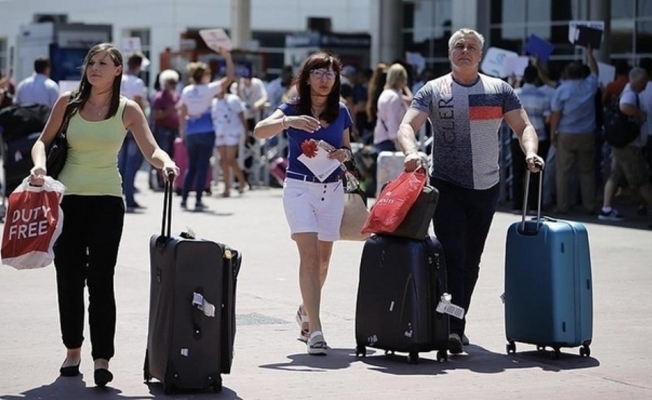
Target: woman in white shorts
(313, 208)
(230, 126)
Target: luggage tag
(446, 307)
(200, 302)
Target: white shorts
(314, 207)
(229, 139)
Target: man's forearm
(407, 139)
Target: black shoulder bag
(58, 151)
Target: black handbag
(58, 151)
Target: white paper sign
(573, 31)
(606, 73)
(495, 62)
(68, 86)
(320, 165)
(417, 60)
(216, 39)
(516, 65)
(131, 45)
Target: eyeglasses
(322, 73)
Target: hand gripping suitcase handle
(166, 224)
(528, 176)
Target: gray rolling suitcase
(192, 309)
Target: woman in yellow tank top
(87, 250)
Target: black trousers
(462, 221)
(85, 255)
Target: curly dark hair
(326, 60)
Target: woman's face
(206, 78)
(321, 81)
(101, 70)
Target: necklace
(99, 110)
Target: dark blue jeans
(165, 139)
(129, 161)
(462, 221)
(200, 149)
(85, 254)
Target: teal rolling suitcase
(548, 287)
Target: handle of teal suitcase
(528, 176)
(166, 224)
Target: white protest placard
(216, 39)
(606, 73)
(573, 32)
(417, 60)
(131, 46)
(516, 65)
(68, 86)
(495, 62)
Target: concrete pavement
(271, 364)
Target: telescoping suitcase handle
(528, 176)
(166, 224)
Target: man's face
(639, 84)
(466, 52)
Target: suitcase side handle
(528, 176)
(166, 224)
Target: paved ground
(271, 364)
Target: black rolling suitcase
(401, 282)
(192, 309)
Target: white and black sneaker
(610, 215)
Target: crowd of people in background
(566, 110)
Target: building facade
(368, 31)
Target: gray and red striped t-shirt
(465, 120)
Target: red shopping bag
(32, 224)
(394, 202)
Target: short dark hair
(135, 61)
(530, 74)
(622, 67)
(41, 64)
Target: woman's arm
(50, 131)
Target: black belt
(306, 178)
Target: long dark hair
(79, 97)
(319, 60)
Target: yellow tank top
(91, 168)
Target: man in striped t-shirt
(466, 109)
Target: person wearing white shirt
(392, 105)
(230, 126)
(629, 163)
(130, 157)
(196, 124)
(38, 88)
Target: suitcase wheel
(360, 351)
(585, 351)
(413, 357)
(556, 353)
(511, 347)
(442, 355)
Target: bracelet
(349, 154)
(283, 123)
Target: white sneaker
(613, 215)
